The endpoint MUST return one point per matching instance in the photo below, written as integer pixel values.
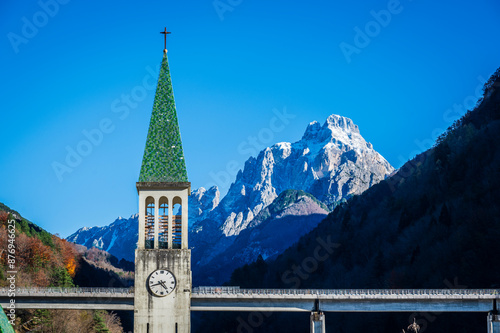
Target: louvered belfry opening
(163, 223)
(149, 223)
(177, 224)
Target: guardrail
(72, 291)
(232, 290)
(226, 298)
(347, 292)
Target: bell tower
(162, 301)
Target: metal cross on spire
(165, 33)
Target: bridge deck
(283, 300)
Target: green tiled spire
(163, 159)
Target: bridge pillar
(493, 323)
(318, 322)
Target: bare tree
(413, 327)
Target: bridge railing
(225, 290)
(233, 290)
(61, 290)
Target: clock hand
(163, 284)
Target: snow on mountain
(119, 238)
(331, 162)
(201, 203)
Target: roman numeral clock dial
(161, 282)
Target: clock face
(161, 282)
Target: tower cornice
(163, 186)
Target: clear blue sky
(69, 69)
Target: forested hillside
(42, 259)
(434, 224)
(45, 260)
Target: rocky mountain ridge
(332, 162)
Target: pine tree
(99, 324)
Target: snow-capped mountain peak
(323, 162)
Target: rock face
(331, 162)
(201, 203)
(292, 214)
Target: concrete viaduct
(316, 301)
